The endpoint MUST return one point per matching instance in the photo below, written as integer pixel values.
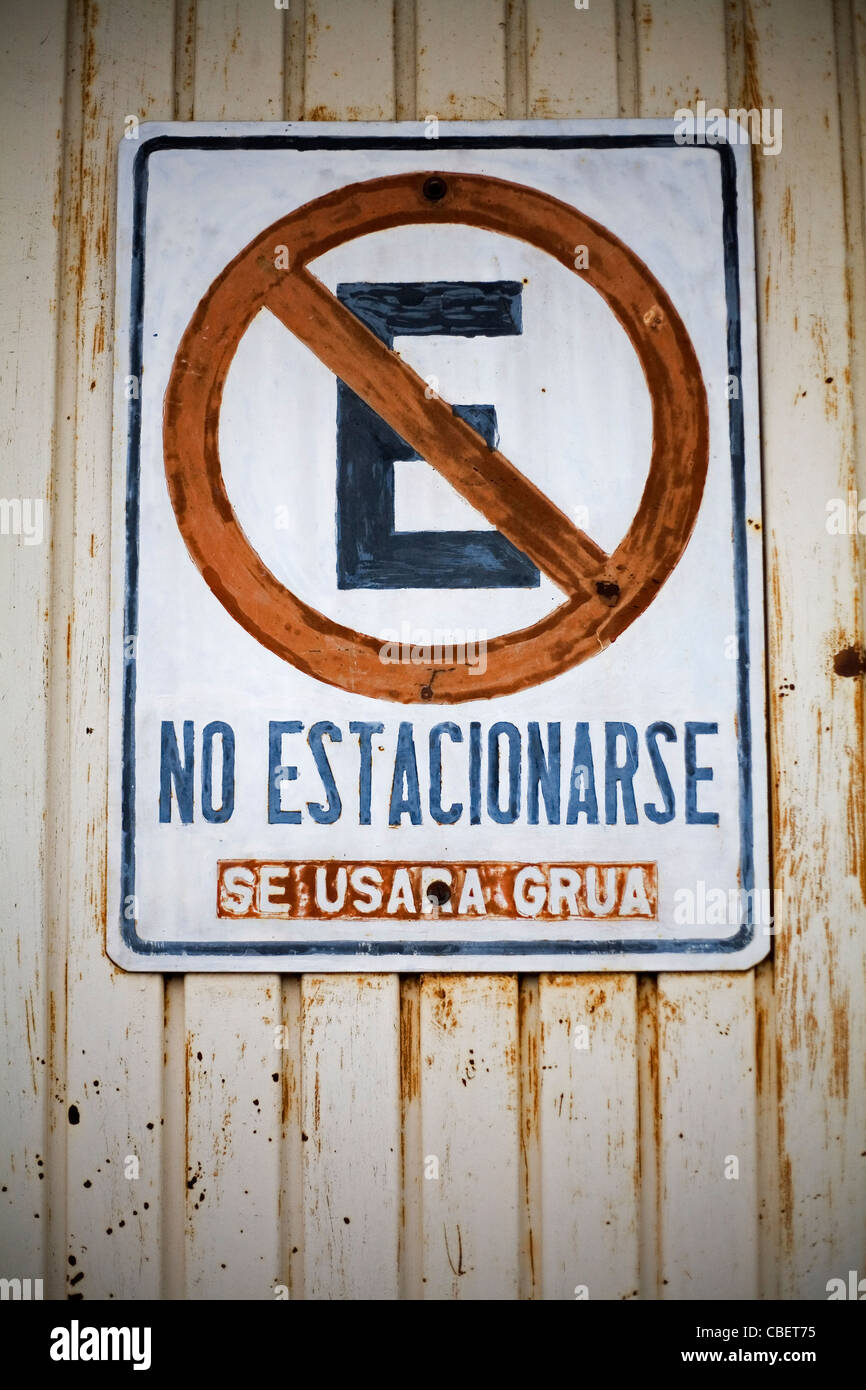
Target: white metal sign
(437, 622)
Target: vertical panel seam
(174, 1157)
(649, 1137)
(516, 61)
(184, 58)
(411, 1239)
(626, 58)
(294, 51)
(766, 1099)
(59, 700)
(851, 117)
(530, 1285)
(405, 75)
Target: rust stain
(410, 1091)
(312, 22)
(672, 1009)
(760, 1026)
(410, 1057)
(820, 332)
(286, 1094)
(321, 113)
(788, 223)
(786, 1179)
(544, 104)
(529, 1110)
(595, 1000)
(650, 1100)
(752, 95)
(444, 1016)
(839, 1032)
(856, 805)
(850, 662)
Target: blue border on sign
(682, 946)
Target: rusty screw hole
(608, 589)
(439, 893)
(654, 318)
(435, 189)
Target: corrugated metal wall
(305, 1165)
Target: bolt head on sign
(437, 634)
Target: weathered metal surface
(707, 1137)
(812, 456)
(589, 1193)
(108, 1106)
(805, 1019)
(350, 1135)
(470, 1184)
(31, 83)
(234, 1102)
(681, 56)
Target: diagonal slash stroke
(484, 476)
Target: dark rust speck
(435, 189)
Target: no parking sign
(438, 619)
